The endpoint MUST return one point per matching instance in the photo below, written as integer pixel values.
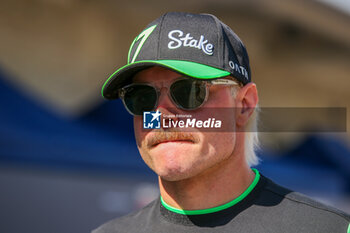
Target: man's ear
(246, 101)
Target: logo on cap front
(143, 37)
(177, 40)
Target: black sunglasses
(185, 93)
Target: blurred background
(68, 159)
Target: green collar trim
(217, 208)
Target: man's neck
(212, 188)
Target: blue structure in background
(318, 165)
(103, 140)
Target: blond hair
(251, 142)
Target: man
(193, 64)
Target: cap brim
(192, 69)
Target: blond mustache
(171, 134)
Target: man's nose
(165, 105)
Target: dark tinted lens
(188, 93)
(139, 98)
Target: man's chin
(173, 178)
(174, 175)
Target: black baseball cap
(196, 45)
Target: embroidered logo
(144, 35)
(238, 68)
(177, 39)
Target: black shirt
(268, 207)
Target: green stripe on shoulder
(348, 228)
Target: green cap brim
(124, 74)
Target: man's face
(177, 154)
